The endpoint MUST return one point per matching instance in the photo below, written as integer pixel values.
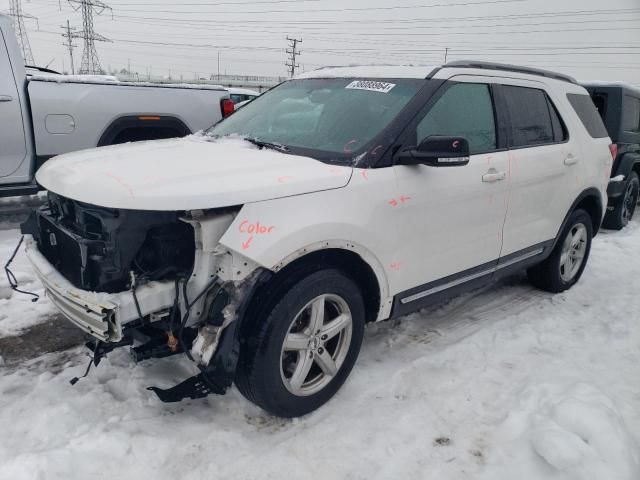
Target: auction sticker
(371, 85)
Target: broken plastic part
(198, 386)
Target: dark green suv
(619, 107)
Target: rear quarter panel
(92, 107)
(595, 157)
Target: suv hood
(185, 174)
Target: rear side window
(631, 114)
(589, 116)
(531, 119)
(464, 110)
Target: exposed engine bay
(97, 248)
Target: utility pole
(15, 11)
(446, 53)
(293, 53)
(90, 62)
(68, 35)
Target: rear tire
(564, 267)
(304, 345)
(623, 211)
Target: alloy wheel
(316, 345)
(629, 203)
(573, 252)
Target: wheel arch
(142, 122)
(589, 200)
(629, 161)
(314, 258)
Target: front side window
(631, 114)
(530, 116)
(464, 110)
(332, 119)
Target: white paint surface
(185, 174)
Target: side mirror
(436, 151)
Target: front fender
(275, 233)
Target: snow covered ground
(505, 383)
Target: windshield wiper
(270, 145)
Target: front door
(450, 219)
(13, 148)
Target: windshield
(336, 118)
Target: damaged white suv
(262, 247)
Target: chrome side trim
(445, 286)
(525, 256)
(468, 278)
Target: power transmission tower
(15, 11)
(68, 35)
(293, 53)
(90, 62)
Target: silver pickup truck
(44, 115)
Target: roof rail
(510, 68)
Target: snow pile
(504, 383)
(573, 432)
(112, 80)
(100, 79)
(584, 435)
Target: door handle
(493, 176)
(570, 160)
(6, 98)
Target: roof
(371, 71)
(426, 71)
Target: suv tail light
(227, 107)
(613, 148)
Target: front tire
(304, 346)
(568, 260)
(623, 212)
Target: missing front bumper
(101, 315)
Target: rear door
(543, 164)
(13, 147)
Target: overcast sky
(590, 39)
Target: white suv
(344, 196)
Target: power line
(293, 53)
(90, 62)
(340, 10)
(15, 11)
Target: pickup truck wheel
(569, 258)
(623, 212)
(305, 347)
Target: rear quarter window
(589, 116)
(631, 114)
